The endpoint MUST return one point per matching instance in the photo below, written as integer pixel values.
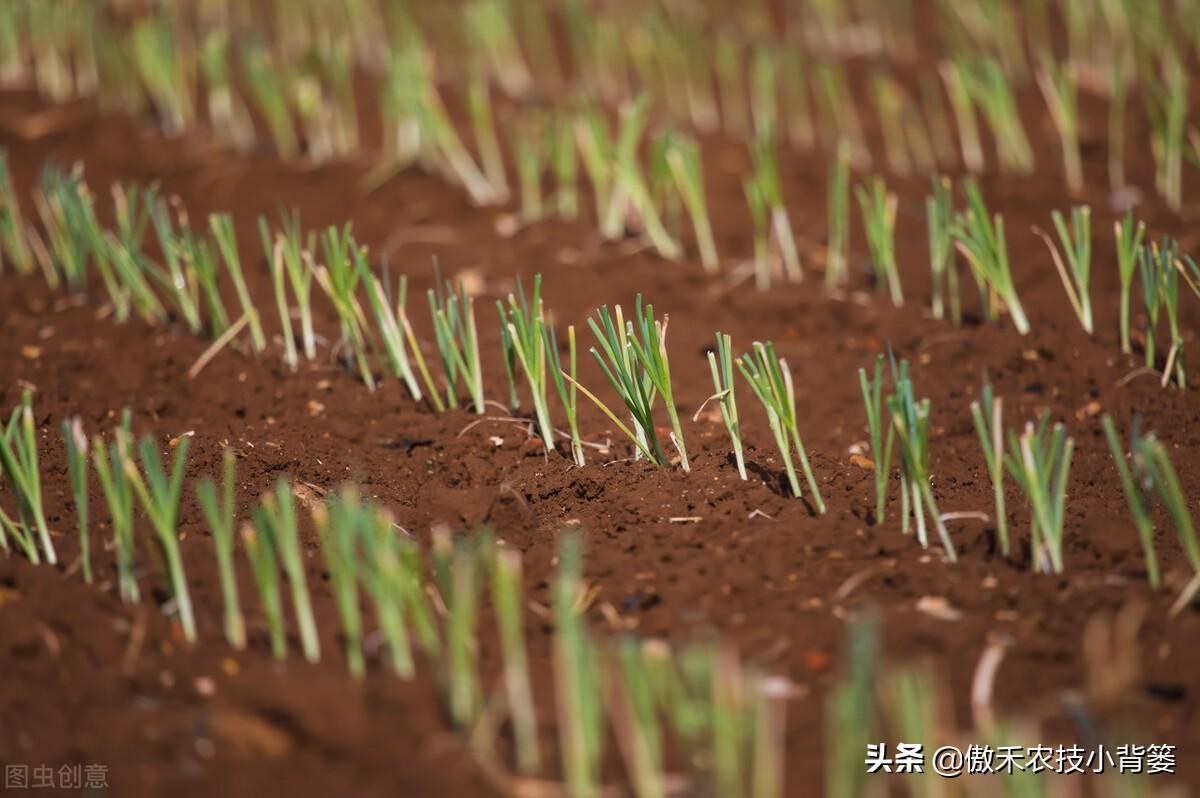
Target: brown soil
(91, 680)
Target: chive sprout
(683, 159)
(797, 109)
(933, 108)
(577, 678)
(77, 469)
(109, 460)
(1118, 90)
(1170, 273)
(1129, 244)
(164, 71)
(120, 259)
(395, 344)
(522, 325)
(1076, 272)
(479, 106)
(222, 231)
(227, 113)
(720, 363)
(763, 94)
(564, 161)
(219, 512)
(881, 443)
(389, 578)
(630, 193)
(635, 718)
(620, 365)
(1136, 484)
(453, 313)
(762, 234)
(728, 723)
(769, 188)
(267, 89)
(21, 536)
(1040, 460)
(462, 604)
(910, 419)
(837, 263)
(595, 151)
(278, 270)
(65, 207)
(771, 380)
(730, 86)
(769, 696)
(489, 22)
(506, 598)
(529, 152)
(567, 395)
(1059, 85)
(939, 216)
(339, 278)
(911, 695)
(839, 106)
(12, 224)
(649, 343)
(851, 712)
(436, 122)
(159, 496)
(889, 104)
(338, 523)
(275, 520)
(19, 462)
(183, 273)
(993, 95)
(1159, 268)
(300, 276)
(953, 75)
(260, 550)
(1160, 473)
(878, 207)
(1167, 105)
(979, 236)
(988, 415)
(414, 346)
(635, 361)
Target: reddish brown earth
(90, 680)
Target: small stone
(507, 225)
(938, 607)
(865, 463)
(205, 748)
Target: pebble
(938, 607)
(865, 463)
